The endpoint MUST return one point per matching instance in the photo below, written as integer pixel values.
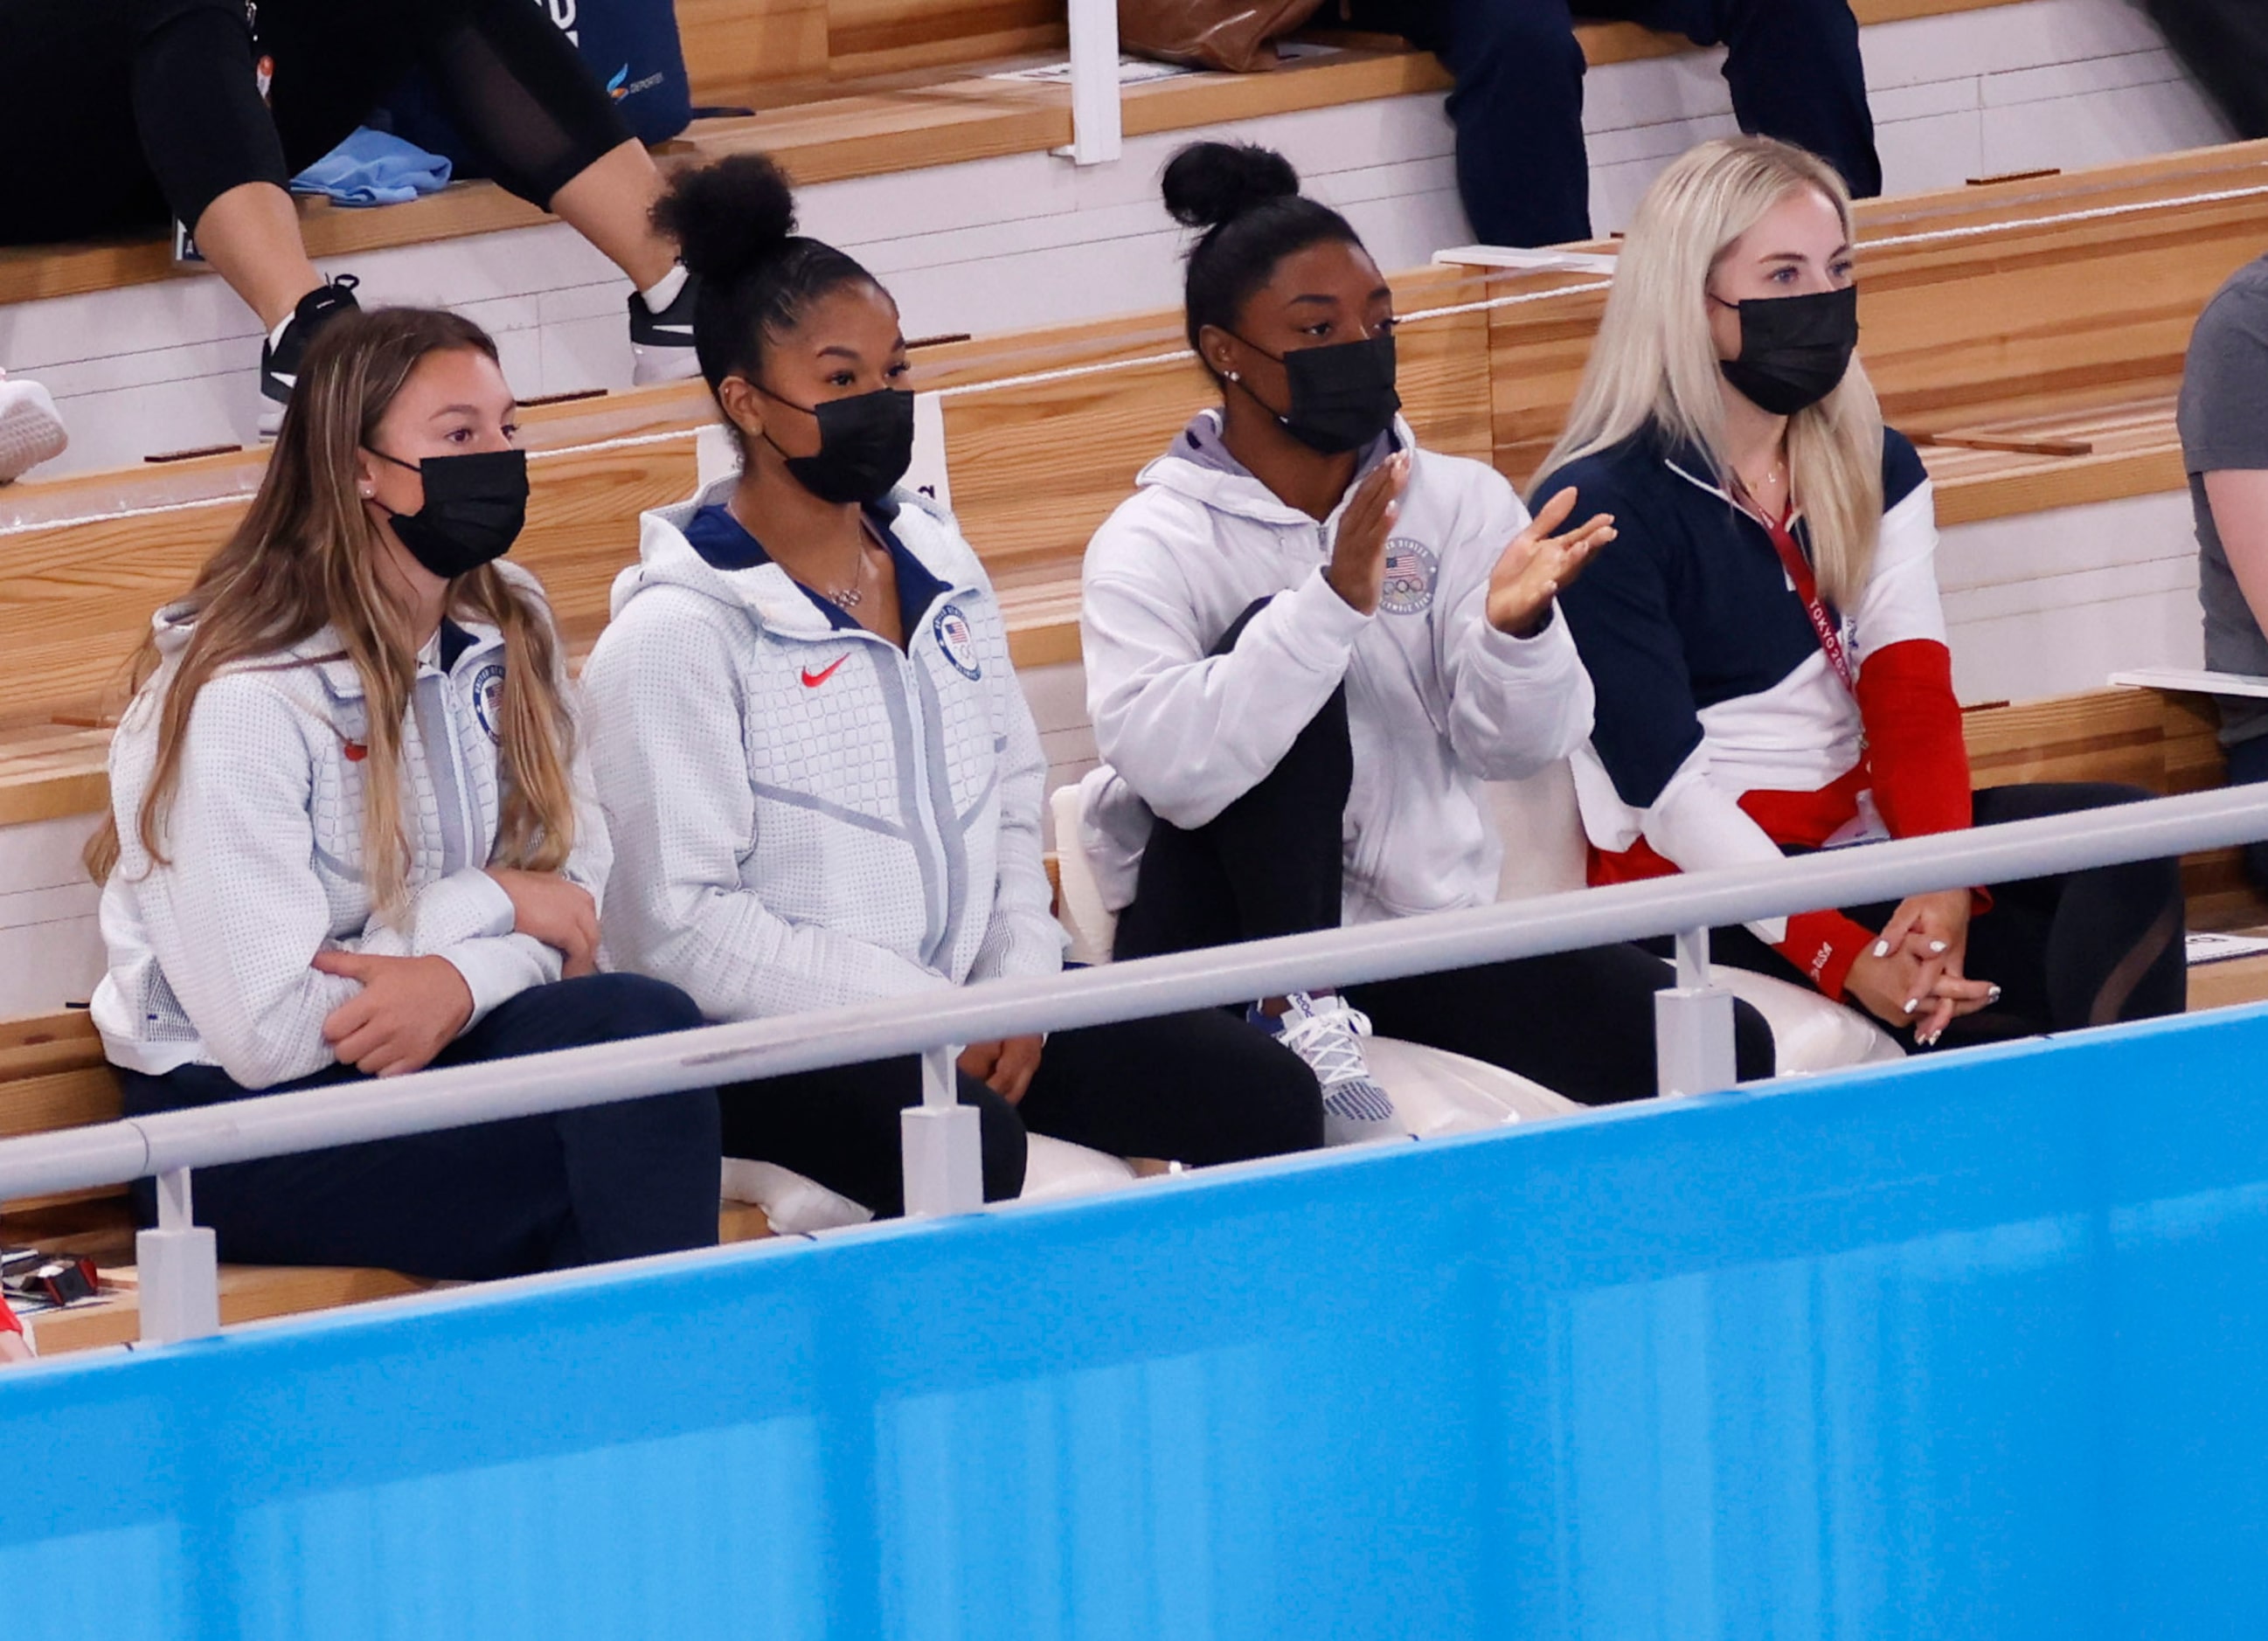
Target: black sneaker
(662, 344)
(281, 354)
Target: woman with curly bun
(1309, 644)
(824, 783)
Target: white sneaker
(1327, 1035)
(31, 432)
(662, 344)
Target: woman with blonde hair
(351, 836)
(1766, 642)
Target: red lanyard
(1798, 570)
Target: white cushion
(1544, 852)
(795, 1205)
(1809, 1032)
(1078, 898)
(1436, 1092)
(1055, 1168)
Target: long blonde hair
(1655, 364)
(305, 557)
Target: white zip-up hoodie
(208, 955)
(1437, 701)
(808, 816)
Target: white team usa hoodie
(808, 816)
(1437, 701)
(208, 955)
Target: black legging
(1273, 863)
(128, 111)
(2079, 948)
(1195, 1088)
(498, 1199)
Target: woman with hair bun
(1766, 641)
(1308, 642)
(824, 783)
(352, 836)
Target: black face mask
(1343, 395)
(1794, 350)
(865, 445)
(475, 506)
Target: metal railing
(1694, 1022)
(1094, 116)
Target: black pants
(2248, 766)
(1792, 66)
(1195, 1088)
(2081, 948)
(502, 1199)
(124, 111)
(1273, 863)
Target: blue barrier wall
(1970, 1350)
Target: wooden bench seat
(863, 88)
(2030, 414)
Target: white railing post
(1095, 122)
(944, 1144)
(1693, 1026)
(177, 1269)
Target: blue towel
(374, 168)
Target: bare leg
(610, 203)
(251, 236)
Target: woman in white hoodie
(351, 837)
(1308, 642)
(823, 782)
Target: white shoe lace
(1329, 1040)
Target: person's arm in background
(14, 1347)
(2224, 429)
(2239, 500)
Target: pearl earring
(1233, 377)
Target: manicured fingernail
(1913, 1004)
(1881, 948)
(1929, 1041)
(1935, 947)
(1992, 996)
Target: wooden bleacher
(2044, 357)
(854, 88)
(2037, 361)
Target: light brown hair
(306, 557)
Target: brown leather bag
(1239, 35)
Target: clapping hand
(1538, 563)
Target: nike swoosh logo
(812, 680)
